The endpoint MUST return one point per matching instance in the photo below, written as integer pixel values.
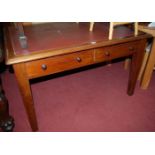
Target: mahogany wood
(44, 62)
(25, 90)
(115, 51)
(12, 57)
(136, 62)
(58, 63)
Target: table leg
(25, 89)
(6, 121)
(136, 62)
(149, 68)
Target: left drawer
(46, 66)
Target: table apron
(51, 65)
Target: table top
(51, 39)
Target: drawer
(60, 63)
(115, 51)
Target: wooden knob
(131, 48)
(78, 59)
(44, 67)
(107, 53)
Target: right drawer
(115, 51)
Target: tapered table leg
(25, 89)
(136, 62)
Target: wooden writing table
(57, 47)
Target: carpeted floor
(87, 100)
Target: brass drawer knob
(107, 53)
(44, 67)
(78, 59)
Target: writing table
(57, 47)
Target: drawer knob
(44, 67)
(107, 53)
(78, 59)
(131, 48)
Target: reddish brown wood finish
(25, 90)
(48, 40)
(56, 64)
(115, 51)
(136, 62)
(29, 64)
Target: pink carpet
(90, 100)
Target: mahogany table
(57, 47)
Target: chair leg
(136, 28)
(91, 26)
(127, 63)
(111, 30)
(143, 65)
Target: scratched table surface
(54, 36)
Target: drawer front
(58, 63)
(115, 51)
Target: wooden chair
(114, 24)
(149, 57)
